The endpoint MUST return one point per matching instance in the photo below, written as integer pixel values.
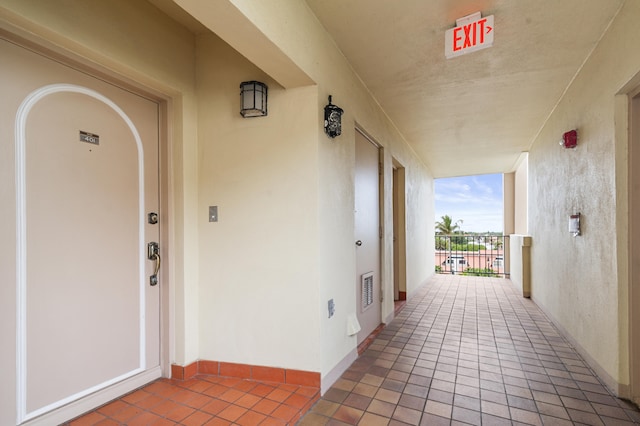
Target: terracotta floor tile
(232, 413)
(285, 412)
(265, 406)
(163, 422)
(144, 419)
(296, 401)
(217, 421)
(179, 413)
(250, 418)
(110, 422)
(89, 419)
(150, 402)
(262, 390)
(216, 390)
(248, 400)
(308, 392)
(231, 395)
(278, 395)
(197, 419)
(198, 401)
(270, 421)
(164, 407)
(162, 388)
(112, 408)
(245, 386)
(215, 406)
(127, 414)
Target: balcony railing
(479, 255)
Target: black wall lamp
(253, 99)
(332, 119)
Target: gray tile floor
(469, 350)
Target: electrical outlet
(332, 308)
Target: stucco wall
(574, 279)
(259, 269)
(298, 34)
(521, 196)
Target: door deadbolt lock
(153, 253)
(152, 218)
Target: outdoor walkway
(469, 350)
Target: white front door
(367, 233)
(86, 180)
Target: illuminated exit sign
(471, 33)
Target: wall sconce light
(253, 99)
(332, 119)
(569, 139)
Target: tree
(447, 226)
(442, 243)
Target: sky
(476, 200)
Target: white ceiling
(475, 113)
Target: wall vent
(367, 290)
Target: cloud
(476, 200)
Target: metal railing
(478, 255)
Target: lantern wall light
(332, 119)
(253, 99)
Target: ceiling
(472, 114)
(475, 113)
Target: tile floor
(206, 400)
(467, 350)
(463, 350)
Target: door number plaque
(89, 138)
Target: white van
(454, 263)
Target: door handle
(153, 253)
(359, 243)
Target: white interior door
(86, 179)
(367, 230)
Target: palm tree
(446, 226)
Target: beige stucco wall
(302, 40)
(521, 198)
(576, 280)
(259, 268)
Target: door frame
(399, 232)
(32, 42)
(633, 144)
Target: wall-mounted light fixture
(569, 139)
(332, 119)
(574, 224)
(253, 99)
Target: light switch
(213, 213)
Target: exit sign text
(471, 33)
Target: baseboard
(337, 371)
(618, 389)
(246, 371)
